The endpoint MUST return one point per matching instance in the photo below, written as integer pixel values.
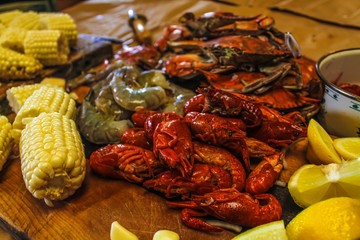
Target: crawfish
(279, 130)
(264, 175)
(139, 117)
(203, 179)
(135, 136)
(155, 119)
(123, 161)
(220, 131)
(231, 206)
(209, 154)
(172, 144)
(226, 104)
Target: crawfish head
(228, 104)
(123, 161)
(173, 145)
(203, 179)
(277, 133)
(231, 206)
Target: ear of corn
(52, 156)
(17, 96)
(50, 47)
(8, 16)
(27, 20)
(2, 28)
(6, 140)
(14, 65)
(13, 38)
(45, 99)
(63, 22)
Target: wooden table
(89, 213)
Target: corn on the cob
(8, 16)
(63, 22)
(27, 20)
(52, 157)
(2, 28)
(13, 38)
(50, 47)
(5, 140)
(14, 65)
(16, 96)
(45, 99)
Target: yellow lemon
(348, 148)
(313, 183)
(320, 145)
(166, 235)
(118, 232)
(269, 231)
(334, 218)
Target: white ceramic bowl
(340, 110)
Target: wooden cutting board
(89, 213)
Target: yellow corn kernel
(6, 140)
(17, 96)
(13, 38)
(8, 16)
(27, 20)
(46, 99)
(2, 28)
(53, 162)
(15, 66)
(59, 82)
(50, 47)
(63, 22)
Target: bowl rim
(330, 84)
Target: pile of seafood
(201, 116)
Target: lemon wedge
(313, 183)
(269, 231)
(166, 235)
(118, 232)
(348, 148)
(321, 149)
(334, 218)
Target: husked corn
(13, 38)
(15, 66)
(27, 20)
(6, 140)
(45, 99)
(8, 16)
(2, 28)
(53, 162)
(50, 47)
(63, 22)
(17, 96)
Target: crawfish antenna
(292, 45)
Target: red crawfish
(231, 206)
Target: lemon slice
(166, 235)
(118, 232)
(321, 145)
(313, 183)
(348, 148)
(269, 231)
(334, 218)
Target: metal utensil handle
(292, 45)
